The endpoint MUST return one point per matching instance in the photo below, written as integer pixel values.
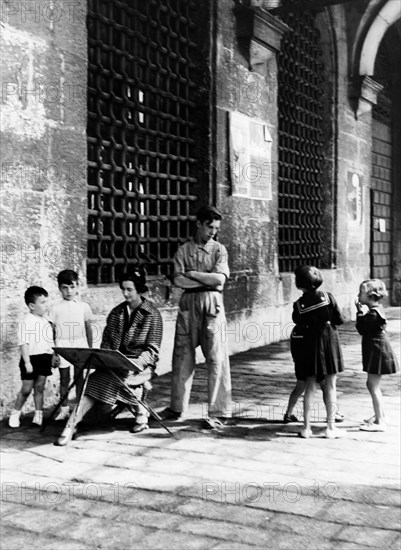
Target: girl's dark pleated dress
(378, 356)
(315, 345)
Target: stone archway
(388, 15)
(380, 24)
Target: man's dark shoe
(288, 418)
(169, 414)
(212, 423)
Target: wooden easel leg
(59, 404)
(75, 415)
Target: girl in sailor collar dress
(315, 346)
(378, 357)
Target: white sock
(38, 417)
(14, 419)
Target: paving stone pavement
(253, 484)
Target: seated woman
(134, 328)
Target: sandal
(67, 434)
(289, 418)
(169, 414)
(305, 434)
(373, 427)
(138, 428)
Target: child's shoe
(14, 419)
(305, 433)
(333, 433)
(63, 414)
(38, 418)
(373, 427)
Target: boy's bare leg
(64, 385)
(23, 394)
(38, 391)
(64, 381)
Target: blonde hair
(375, 288)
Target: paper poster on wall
(354, 198)
(250, 157)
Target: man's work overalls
(201, 321)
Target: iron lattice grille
(141, 164)
(382, 110)
(300, 78)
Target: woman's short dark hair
(136, 277)
(308, 277)
(34, 292)
(208, 214)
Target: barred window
(301, 144)
(142, 161)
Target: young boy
(72, 319)
(201, 269)
(35, 335)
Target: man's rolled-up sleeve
(221, 265)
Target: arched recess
(375, 84)
(379, 16)
(388, 15)
(386, 165)
(366, 19)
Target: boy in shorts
(35, 338)
(72, 320)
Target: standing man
(201, 269)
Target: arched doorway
(384, 173)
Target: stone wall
(43, 123)
(44, 204)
